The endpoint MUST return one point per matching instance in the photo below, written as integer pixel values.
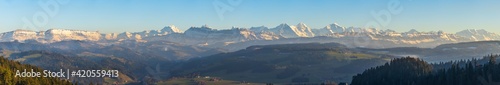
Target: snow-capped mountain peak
(304, 30)
(329, 29)
(19, 35)
(287, 31)
(478, 34)
(65, 34)
(302, 25)
(203, 28)
(336, 28)
(259, 29)
(170, 29)
(412, 31)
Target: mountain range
(207, 36)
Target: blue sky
(114, 16)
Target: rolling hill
(444, 52)
(286, 63)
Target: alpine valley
(281, 54)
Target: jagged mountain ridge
(478, 34)
(56, 35)
(206, 36)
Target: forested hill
(310, 63)
(414, 71)
(8, 70)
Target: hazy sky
(137, 15)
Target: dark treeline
(8, 70)
(414, 71)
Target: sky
(116, 16)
